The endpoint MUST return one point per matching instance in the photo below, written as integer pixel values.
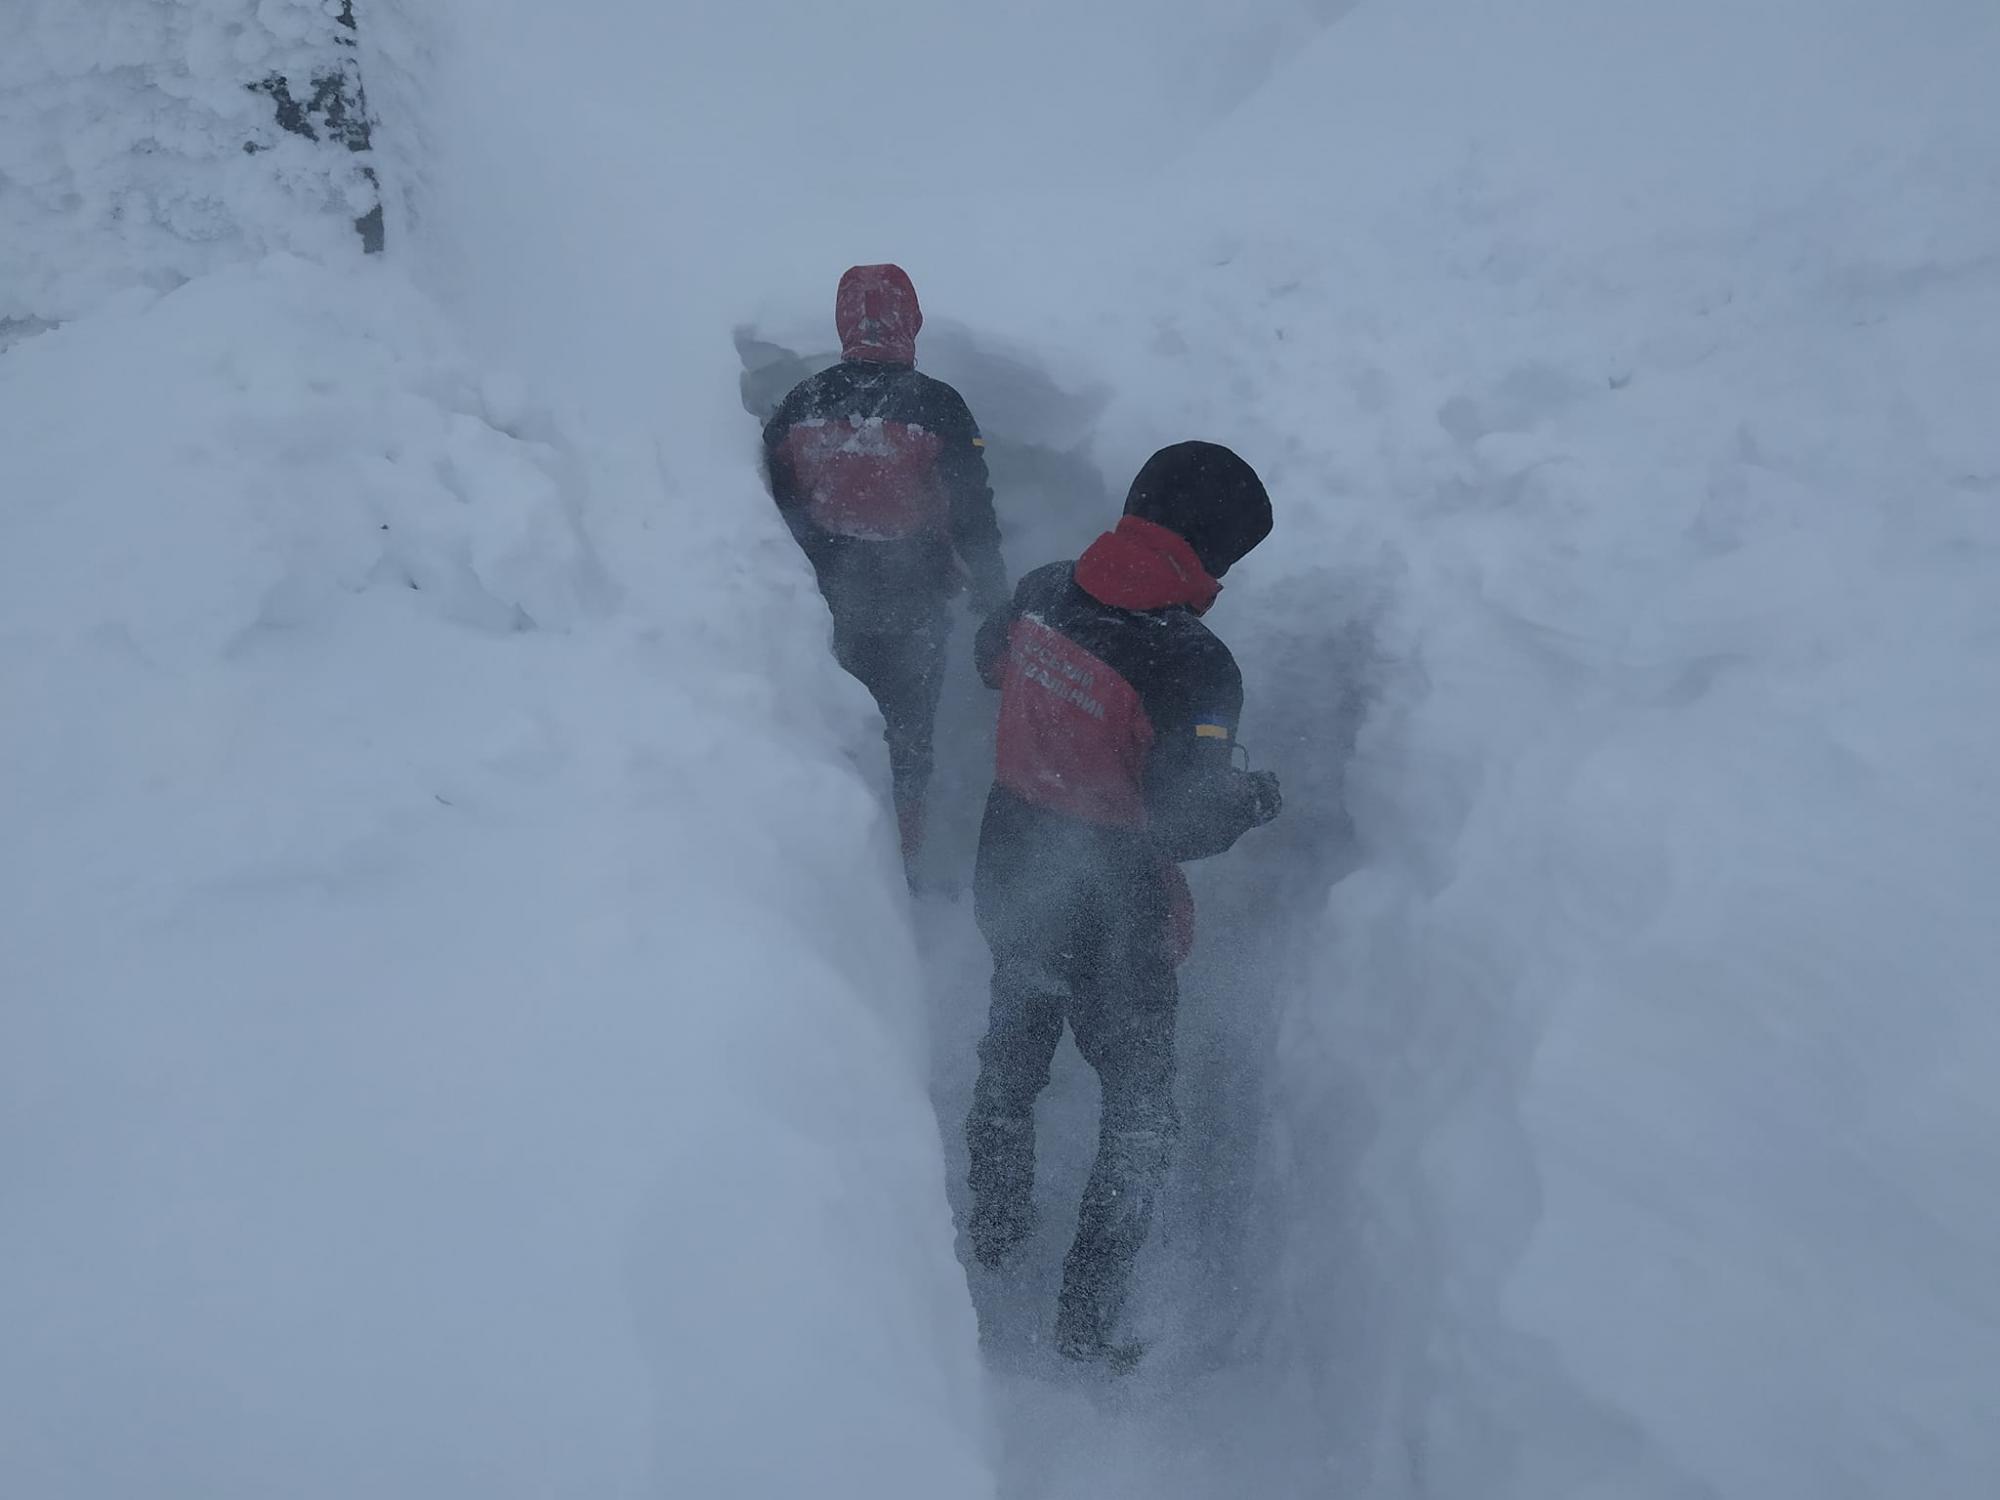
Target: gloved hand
(1264, 796)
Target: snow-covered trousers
(904, 670)
(1086, 946)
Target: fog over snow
(463, 1027)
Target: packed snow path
(1203, 1415)
(1208, 1409)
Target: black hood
(1207, 496)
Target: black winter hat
(1207, 496)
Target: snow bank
(462, 1033)
(443, 1047)
(1624, 1133)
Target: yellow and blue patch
(1206, 729)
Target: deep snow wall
(461, 1034)
(1623, 1134)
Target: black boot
(1117, 1214)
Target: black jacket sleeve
(1198, 802)
(778, 469)
(975, 531)
(989, 647)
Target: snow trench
(1233, 1389)
(1312, 1325)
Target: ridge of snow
(461, 1029)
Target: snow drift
(1622, 1132)
(460, 1032)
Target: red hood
(1144, 566)
(877, 314)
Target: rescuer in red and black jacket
(1118, 716)
(880, 472)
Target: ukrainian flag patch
(979, 442)
(1211, 731)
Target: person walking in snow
(1118, 715)
(880, 472)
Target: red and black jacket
(880, 471)
(1118, 713)
(1118, 707)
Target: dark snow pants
(904, 669)
(1084, 942)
